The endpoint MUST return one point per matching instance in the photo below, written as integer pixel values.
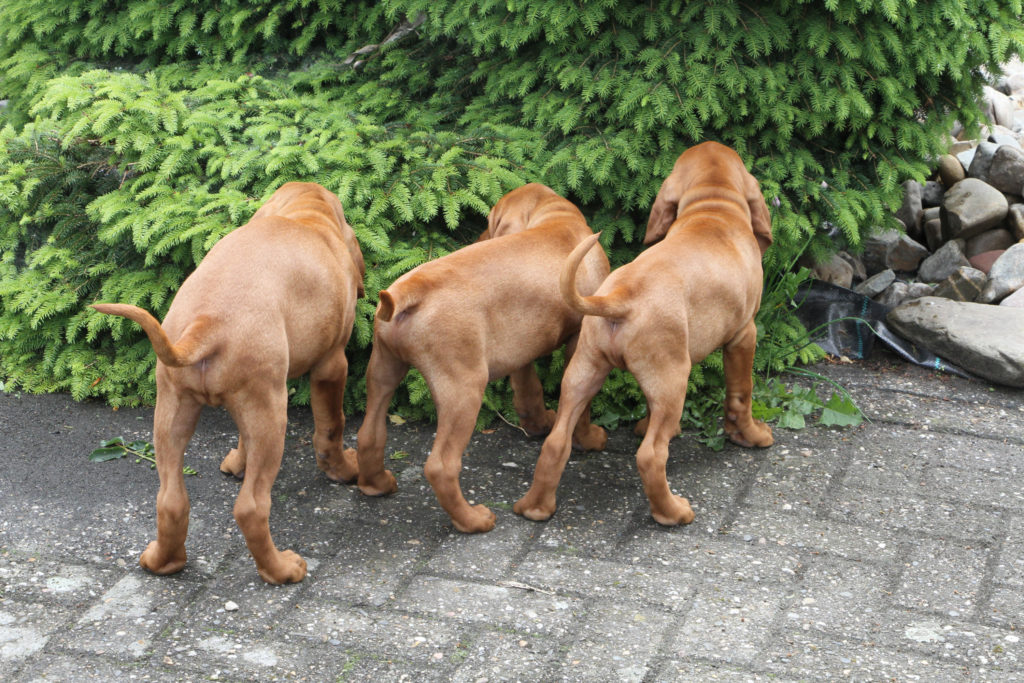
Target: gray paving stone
(82, 668)
(844, 598)
(820, 535)
(668, 587)
(615, 641)
(730, 625)
(124, 621)
(482, 556)
(942, 577)
(499, 656)
(26, 628)
(521, 610)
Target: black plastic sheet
(845, 323)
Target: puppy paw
(234, 464)
(756, 433)
(379, 485)
(477, 519)
(593, 438)
(340, 466)
(532, 507)
(674, 511)
(538, 426)
(285, 567)
(155, 560)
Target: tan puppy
(272, 300)
(694, 291)
(483, 312)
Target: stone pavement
(891, 551)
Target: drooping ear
(760, 218)
(349, 236)
(508, 216)
(663, 211)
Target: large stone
(1015, 300)
(943, 262)
(1001, 135)
(990, 240)
(1006, 172)
(876, 284)
(971, 207)
(1005, 276)
(931, 213)
(951, 171)
(905, 254)
(933, 234)
(876, 250)
(1015, 221)
(835, 271)
(859, 271)
(910, 211)
(981, 162)
(997, 106)
(963, 285)
(932, 194)
(985, 340)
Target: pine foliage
(138, 134)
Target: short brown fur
(274, 299)
(697, 289)
(481, 313)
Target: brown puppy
(483, 312)
(272, 300)
(695, 291)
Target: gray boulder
(859, 271)
(905, 254)
(1006, 172)
(951, 171)
(1015, 221)
(1001, 135)
(997, 107)
(943, 262)
(971, 207)
(963, 285)
(876, 284)
(985, 340)
(981, 162)
(933, 234)
(1015, 300)
(932, 194)
(835, 270)
(1005, 277)
(910, 211)
(876, 250)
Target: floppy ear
(663, 211)
(509, 215)
(349, 236)
(760, 218)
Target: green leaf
(104, 454)
(840, 411)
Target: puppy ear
(349, 237)
(508, 216)
(760, 218)
(663, 212)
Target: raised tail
(190, 348)
(609, 306)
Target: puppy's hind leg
(173, 424)
(582, 380)
(458, 401)
(327, 388)
(383, 375)
(664, 385)
(262, 421)
(234, 462)
(528, 398)
(740, 425)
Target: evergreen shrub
(137, 134)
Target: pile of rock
(955, 275)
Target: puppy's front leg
(738, 358)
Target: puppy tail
(187, 351)
(609, 306)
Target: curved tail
(612, 305)
(190, 348)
